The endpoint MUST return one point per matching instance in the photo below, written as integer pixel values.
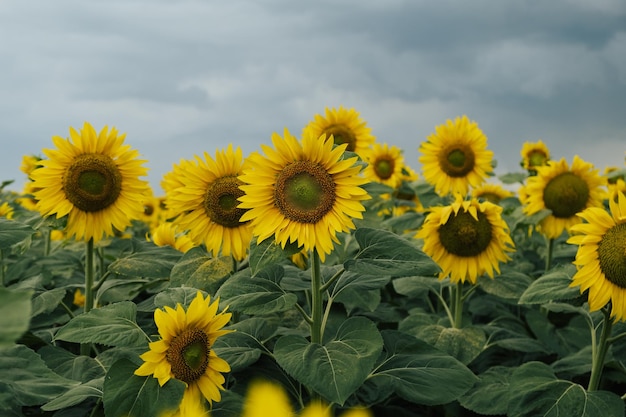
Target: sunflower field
(320, 276)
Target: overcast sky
(184, 77)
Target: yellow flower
(6, 210)
(384, 165)
(455, 157)
(166, 234)
(534, 154)
(206, 203)
(185, 352)
(466, 239)
(491, 192)
(601, 256)
(302, 192)
(79, 298)
(29, 163)
(346, 126)
(94, 180)
(565, 191)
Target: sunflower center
(491, 197)
(342, 134)
(612, 255)
(536, 158)
(457, 161)
(383, 168)
(188, 355)
(462, 235)
(92, 182)
(220, 202)
(304, 192)
(566, 194)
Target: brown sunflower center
(220, 202)
(462, 235)
(384, 168)
(342, 134)
(188, 355)
(304, 192)
(612, 255)
(92, 182)
(457, 161)
(537, 158)
(566, 194)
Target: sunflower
(185, 352)
(601, 256)
(93, 179)
(166, 234)
(206, 202)
(565, 191)
(466, 239)
(29, 163)
(491, 192)
(534, 154)
(302, 192)
(456, 157)
(384, 165)
(6, 210)
(346, 126)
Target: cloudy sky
(184, 77)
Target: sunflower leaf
(553, 286)
(489, 396)
(268, 252)
(126, 394)
(198, 270)
(15, 312)
(385, 253)
(12, 232)
(111, 325)
(147, 262)
(337, 368)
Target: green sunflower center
(566, 194)
(612, 255)
(537, 158)
(342, 134)
(457, 161)
(462, 235)
(92, 182)
(304, 192)
(188, 355)
(384, 168)
(220, 202)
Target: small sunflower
(29, 163)
(302, 192)
(601, 256)
(206, 202)
(384, 165)
(565, 191)
(185, 350)
(346, 126)
(466, 239)
(93, 179)
(491, 192)
(166, 234)
(455, 157)
(534, 154)
(6, 210)
(27, 199)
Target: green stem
(85, 348)
(458, 305)
(598, 351)
(47, 238)
(2, 269)
(316, 299)
(549, 254)
(332, 279)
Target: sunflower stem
(549, 255)
(458, 305)
(598, 351)
(85, 348)
(316, 299)
(332, 279)
(47, 237)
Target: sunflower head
(345, 126)
(185, 350)
(455, 157)
(601, 256)
(565, 192)
(491, 192)
(93, 179)
(302, 192)
(29, 163)
(384, 165)
(466, 239)
(167, 234)
(534, 154)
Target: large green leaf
(417, 286)
(509, 286)
(150, 262)
(268, 252)
(553, 286)
(245, 345)
(417, 372)
(76, 395)
(490, 394)
(337, 368)
(535, 391)
(46, 301)
(12, 232)
(198, 270)
(111, 325)
(76, 367)
(15, 312)
(385, 253)
(128, 395)
(464, 344)
(261, 294)
(28, 377)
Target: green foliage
(15, 312)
